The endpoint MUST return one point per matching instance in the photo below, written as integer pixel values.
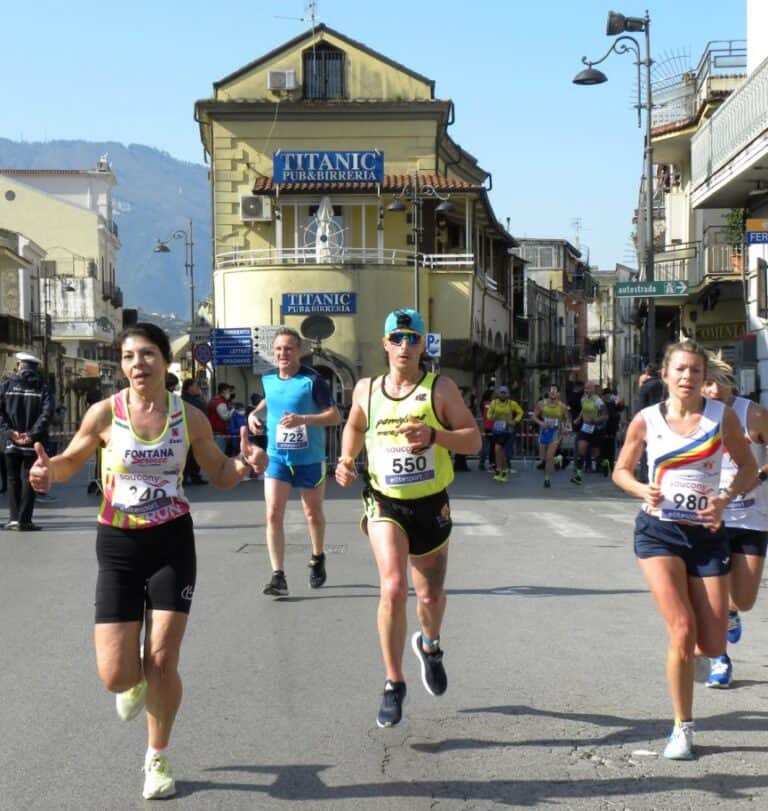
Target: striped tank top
(142, 478)
(686, 468)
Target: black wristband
(432, 435)
(762, 475)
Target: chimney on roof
(102, 164)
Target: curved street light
(416, 193)
(618, 24)
(161, 246)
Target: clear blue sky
(131, 72)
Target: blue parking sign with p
(433, 344)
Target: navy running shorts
(144, 569)
(425, 521)
(308, 476)
(747, 541)
(705, 553)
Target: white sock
(151, 751)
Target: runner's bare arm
(223, 471)
(94, 431)
(738, 448)
(624, 471)
(324, 419)
(462, 434)
(353, 435)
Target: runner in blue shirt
(299, 407)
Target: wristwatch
(762, 475)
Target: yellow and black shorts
(425, 521)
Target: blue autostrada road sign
(232, 346)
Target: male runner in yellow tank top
(409, 420)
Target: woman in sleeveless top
(746, 518)
(679, 540)
(145, 540)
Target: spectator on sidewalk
(192, 395)
(219, 411)
(26, 408)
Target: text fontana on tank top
(686, 468)
(747, 510)
(142, 478)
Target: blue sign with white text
(232, 346)
(325, 303)
(342, 166)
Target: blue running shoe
(734, 627)
(720, 672)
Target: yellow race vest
(395, 471)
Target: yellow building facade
(338, 196)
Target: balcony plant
(735, 225)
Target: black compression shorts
(143, 569)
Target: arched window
(323, 72)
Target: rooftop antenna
(310, 14)
(576, 225)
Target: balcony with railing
(267, 258)
(726, 151)
(678, 98)
(697, 262)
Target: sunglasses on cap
(411, 338)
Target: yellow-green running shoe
(130, 702)
(158, 778)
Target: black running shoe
(277, 586)
(432, 671)
(391, 709)
(317, 576)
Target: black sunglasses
(412, 338)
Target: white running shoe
(680, 743)
(130, 702)
(158, 778)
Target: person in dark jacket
(651, 389)
(26, 408)
(192, 394)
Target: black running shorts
(426, 521)
(747, 541)
(142, 569)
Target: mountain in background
(155, 195)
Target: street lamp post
(617, 24)
(416, 193)
(161, 246)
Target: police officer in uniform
(26, 408)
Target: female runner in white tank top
(145, 541)
(682, 549)
(745, 518)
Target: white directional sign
(263, 354)
(434, 341)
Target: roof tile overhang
(392, 183)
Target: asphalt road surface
(554, 653)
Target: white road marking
(472, 523)
(566, 527)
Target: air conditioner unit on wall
(255, 208)
(281, 80)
